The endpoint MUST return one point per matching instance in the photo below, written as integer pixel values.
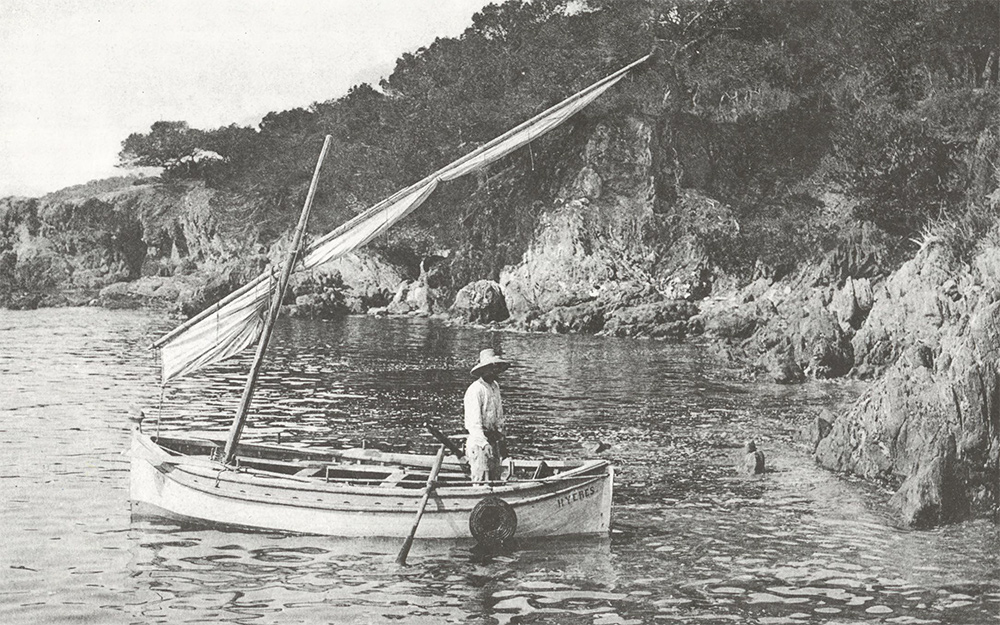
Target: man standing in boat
(485, 447)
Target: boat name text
(577, 495)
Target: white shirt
(483, 411)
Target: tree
(165, 145)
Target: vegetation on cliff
(756, 105)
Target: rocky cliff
(141, 242)
(930, 426)
(609, 255)
(66, 247)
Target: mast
(236, 429)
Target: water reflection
(246, 577)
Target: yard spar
(247, 316)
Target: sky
(78, 76)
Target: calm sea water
(692, 542)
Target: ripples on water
(691, 543)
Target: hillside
(813, 186)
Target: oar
(452, 447)
(405, 551)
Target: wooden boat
(354, 492)
(359, 492)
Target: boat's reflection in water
(261, 577)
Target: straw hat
(488, 358)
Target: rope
(159, 411)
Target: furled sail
(235, 322)
(230, 330)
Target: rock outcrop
(143, 243)
(480, 302)
(787, 330)
(75, 242)
(930, 426)
(610, 255)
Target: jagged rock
(861, 253)
(212, 289)
(616, 295)
(366, 276)
(583, 318)
(597, 234)
(781, 366)
(929, 496)
(419, 298)
(326, 304)
(929, 424)
(147, 291)
(480, 302)
(909, 310)
(658, 319)
(400, 304)
(740, 322)
(830, 352)
(670, 330)
(560, 267)
(816, 430)
(80, 240)
(853, 302)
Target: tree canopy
(887, 99)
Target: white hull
(576, 501)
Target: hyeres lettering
(575, 496)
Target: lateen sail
(235, 323)
(227, 332)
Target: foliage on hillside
(757, 104)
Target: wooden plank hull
(576, 501)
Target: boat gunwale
(579, 475)
(358, 456)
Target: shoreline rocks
(482, 301)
